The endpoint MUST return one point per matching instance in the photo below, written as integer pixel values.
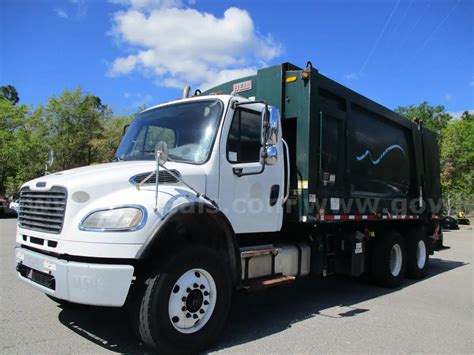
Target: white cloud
(74, 9)
(448, 96)
(148, 4)
(61, 13)
(353, 76)
(228, 75)
(123, 65)
(80, 7)
(138, 99)
(178, 46)
(458, 114)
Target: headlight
(116, 219)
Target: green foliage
(456, 142)
(74, 120)
(77, 126)
(433, 117)
(457, 158)
(21, 143)
(106, 144)
(9, 93)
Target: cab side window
(243, 143)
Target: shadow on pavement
(253, 316)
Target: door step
(267, 282)
(250, 252)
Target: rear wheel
(185, 302)
(418, 254)
(389, 260)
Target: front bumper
(85, 283)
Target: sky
(132, 53)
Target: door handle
(237, 171)
(274, 193)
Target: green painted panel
(270, 85)
(228, 87)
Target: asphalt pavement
(335, 314)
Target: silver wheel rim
(421, 254)
(396, 260)
(192, 301)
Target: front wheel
(185, 302)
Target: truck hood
(112, 176)
(109, 185)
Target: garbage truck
(251, 184)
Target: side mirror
(269, 138)
(265, 124)
(125, 129)
(161, 152)
(271, 156)
(273, 126)
(50, 160)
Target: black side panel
(381, 162)
(432, 169)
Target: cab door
(249, 197)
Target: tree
(21, 146)
(74, 121)
(467, 116)
(9, 93)
(433, 117)
(112, 132)
(457, 158)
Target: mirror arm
(145, 180)
(198, 194)
(158, 157)
(287, 192)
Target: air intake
(164, 177)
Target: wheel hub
(396, 260)
(421, 254)
(192, 301)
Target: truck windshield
(188, 128)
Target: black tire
(416, 267)
(154, 325)
(381, 270)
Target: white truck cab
(83, 233)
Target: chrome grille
(163, 177)
(42, 210)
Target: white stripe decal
(384, 153)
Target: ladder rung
(257, 252)
(261, 283)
